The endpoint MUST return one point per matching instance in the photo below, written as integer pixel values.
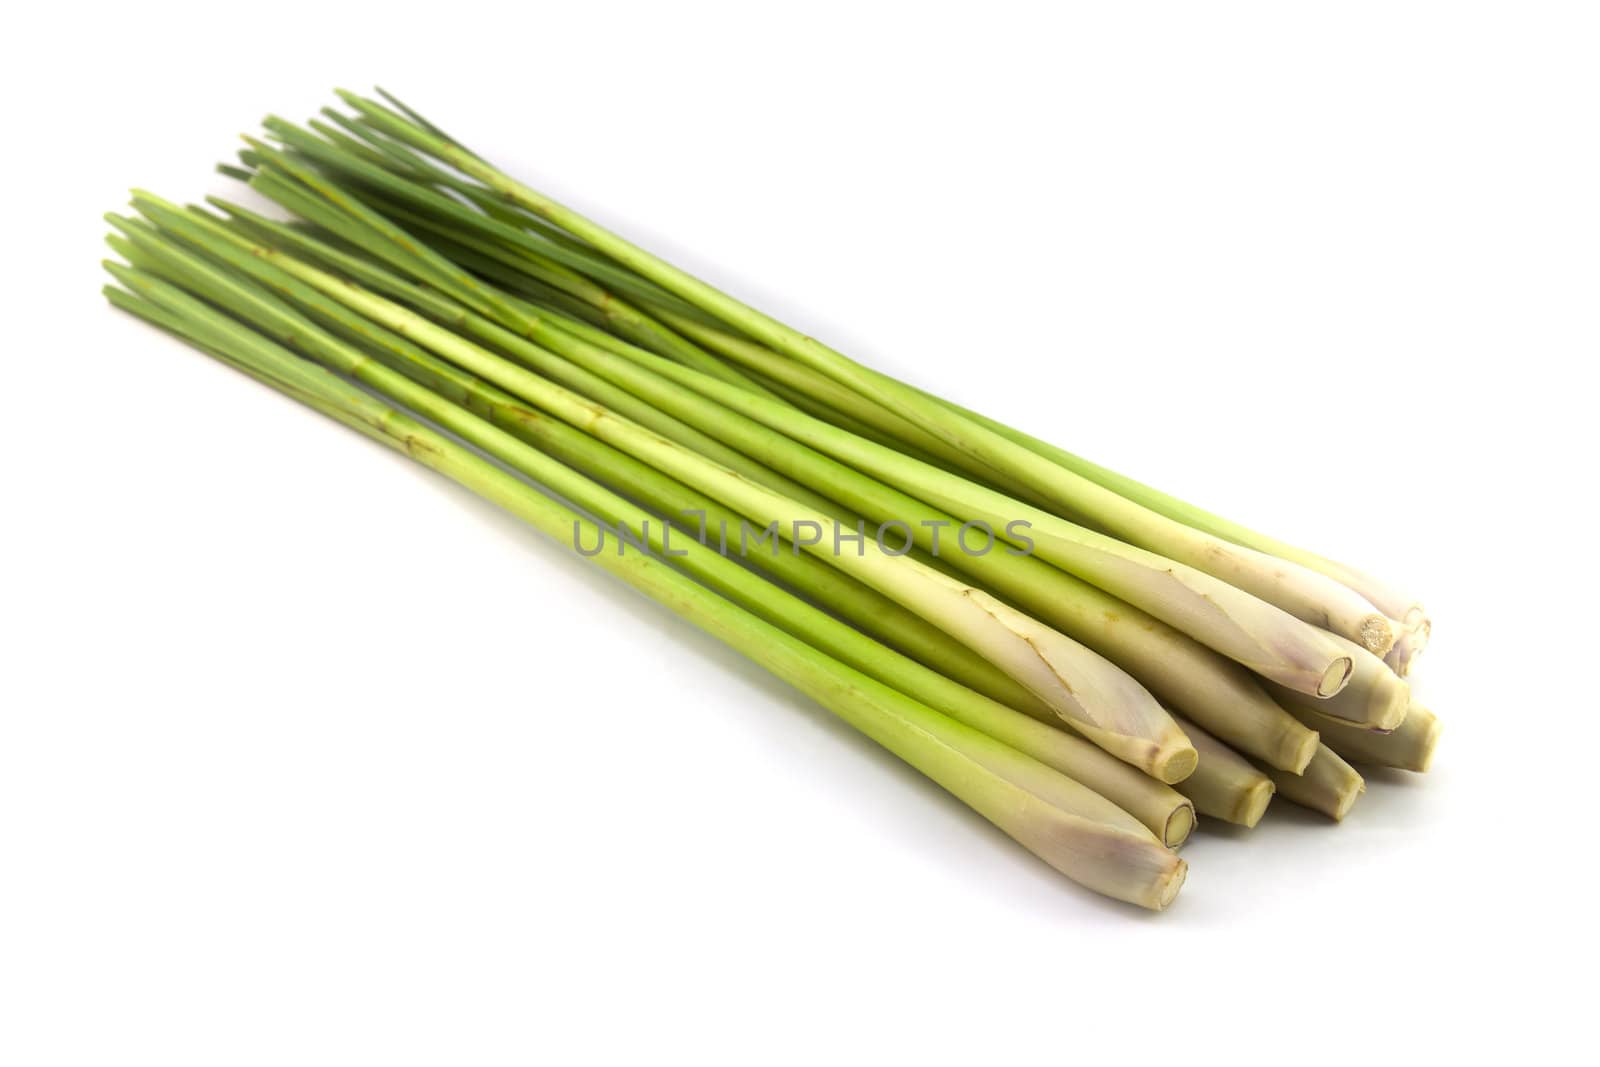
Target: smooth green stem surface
(1300, 591)
(1075, 830)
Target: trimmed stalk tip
(1180, 824)
(1175, 761)
(1335, 677)
(1378, 634)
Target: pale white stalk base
(1224, 784)
(1409, 747)
(1375, 697)
(1329, 784)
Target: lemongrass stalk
(1328, 784)
(755, 357)
(528, 326)
(802, 387)
(547, 298)
(821, 396)
(1409, 746)
(1076, 831)
(1227, 619)
(390, 239)
(1181, 672)
(559, 245)
(1300, 591)
(461, 404)
(1387, 599)
(430, 209)
(394, 156)
(870, 611)
(1107, 706)
(462, 399)
(1224, 784)
(297, 199)
(1178, 670)
(867, 609)
(1375, 697)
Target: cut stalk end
(1174, 761)
(1433, 727)
(1253, 804)
(1378, 633)
(1335, 677)
(1304, 747)
(1344, 802)
(1168, 891)
(1180, 824)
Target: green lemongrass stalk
(396, 157)
(1178, 670)
(1074, 830)
(821, 396)
(1224, 784)
(571, 251)
(869, 610)
(1164, 811)
(1103, 703)
(800, 386)
(461, 404)
(1227, 619)
(297, 199)
(389, 238)
(1106, 705)
(1300, 591)
(1393, 603)
(545, 297)
(1409, 746)
(352, 233)
(1375, 698)
(406, 201)
(1328, 784)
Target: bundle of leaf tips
(1084, 660)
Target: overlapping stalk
(462, 404)
(1328, 784)
(1221, 616)
(1224, 784)
(1375, 697)
(1177, 670)
(1302, 592)
(1408, 747)
(665, 408)
(1102, 702)
(1070, 827)
(1232, 621)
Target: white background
(307, 756)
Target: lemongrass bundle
(1107, 667)
(462, 404)
(1176, 669)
